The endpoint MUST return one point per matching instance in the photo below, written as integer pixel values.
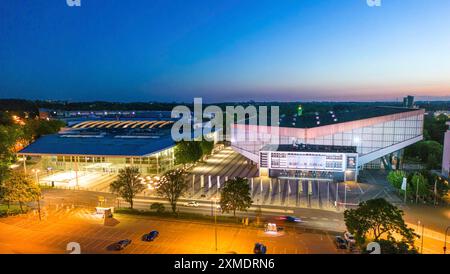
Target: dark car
(150, 236)
(292, 219)
(259, 249)
(340, 243)
(120, 245)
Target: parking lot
(206, 179)
(93, 181)
(26, 234)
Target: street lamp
(36, 171)
(421, 242)
(445, 239)
(215, 199)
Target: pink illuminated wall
(367, 135)
(446, 158)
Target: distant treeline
(32, 107)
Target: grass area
(179, 216)
(12, 210)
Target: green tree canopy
(36, 128)
(427, 152)
(206, 147)
(172, 186)
(128, 184)
(395, 247)
(377, 219)
(418, 185)
(235, 195)
(435, 127)
(19, 188)
(9, 135)
(187, 152)
(395, 177)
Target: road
(26, 234)
(320, 220)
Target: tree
(4, 171)
(435, 127)
(206, 147)
(172, 186)
(396, 178)
(19, 188)
(418, 185)
(396, 247)
(428, 152)
(128, 184)
(36, 128)
(235, 195)
(187, 152)
(9, 135)
(377, 219)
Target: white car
(193, 204)
(349, 238)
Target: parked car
(259, 249)
(150, 236)
(193, 204)
(120, 245)
(340, 243)
(349, 238)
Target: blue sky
(145, 50)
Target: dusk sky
(146, 50)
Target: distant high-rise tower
(299, 110)
(408, 101)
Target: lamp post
(417, 192)
(36, 171)
(421, 242)
(215, 219)
(337, 195)
(445, 239)
(435, 192)
(39, 207)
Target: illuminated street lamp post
(36, 171)
(418, 227)
(24, 164)
(421, 244)
(215, 219)
(345, 195)
(445, 239)
(337, 196)
(39, 207)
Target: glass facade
(154, 164)
(366, 139)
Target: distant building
(446, 157)
(44, 114)
(106, 146)
(408, 101)
(439, 112)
